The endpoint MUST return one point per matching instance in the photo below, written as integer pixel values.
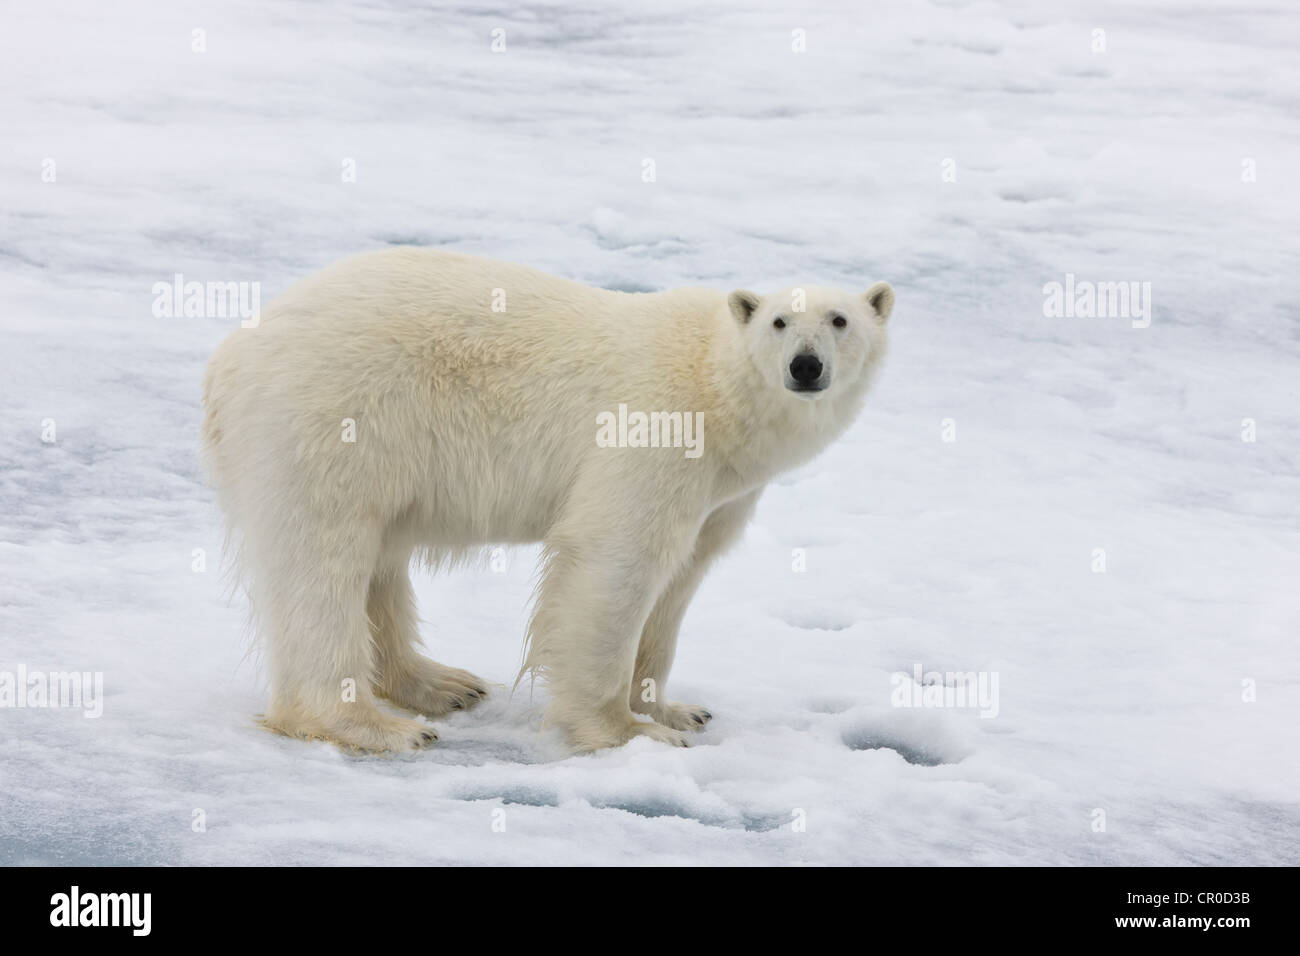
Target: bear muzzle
(806, 374)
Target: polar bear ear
(743, 305)
(881, 298)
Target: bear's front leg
(600, 580)
(654, 658)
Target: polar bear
(418, 403)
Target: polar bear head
(813, 342)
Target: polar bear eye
(779, 323)
(839, 321)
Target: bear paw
(679, 716)
(357, 728)
(665, 735)
(588, 733)
(431, 689)
(684, 716)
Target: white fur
(476, 426)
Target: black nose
(806, 369)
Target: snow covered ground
(1159, 699)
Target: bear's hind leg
(404, 676)
(309, 595)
